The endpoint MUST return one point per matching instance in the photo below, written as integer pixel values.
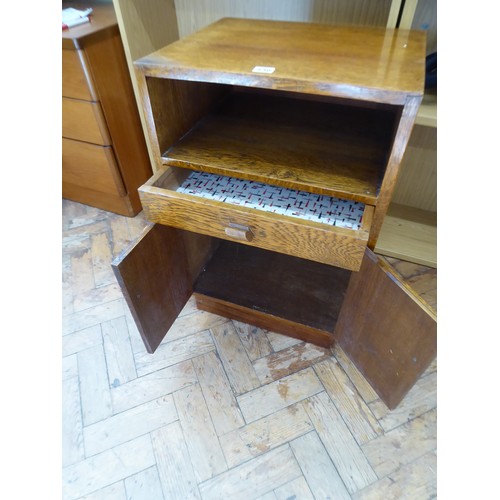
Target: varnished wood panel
(401, 138)
(103, 23)
(263, 320)
(112, 80)
(381, 65)
(310, 240)
(91, 167)
(76, 77)
(393, 340)
(153, 275)
(111, 202)
(84, 121)
(312, 146)
(95, 69)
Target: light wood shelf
(409, 234)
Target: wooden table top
(348, 61)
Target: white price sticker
(264, 69)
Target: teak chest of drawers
(104, 154)
(276, 149)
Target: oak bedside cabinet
(104, 153)
(276, 149)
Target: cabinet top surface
(349, 61)
(103, 19)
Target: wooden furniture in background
(104, 154)
(321, 109)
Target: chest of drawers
(253, 126)
(104, 155)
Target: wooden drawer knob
(239, 232)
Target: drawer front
(90, 166)
(314, 241)
(84, 121)
(76, 76)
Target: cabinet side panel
(401, 139)
(174, 106)
(155, 280)
(385, 331)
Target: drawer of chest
(84, 121)
(92, 167)
(306, 225)
(76, 76)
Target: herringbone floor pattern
(221, 410)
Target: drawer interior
(274, 199)
(251, 195)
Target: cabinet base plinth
(264, 320)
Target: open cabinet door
(386, 329)
(156, 280)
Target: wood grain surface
(275, 287)
(84, 121)
(142, 271)
(319, 242)
(391, 362)
(314, 146)
(91, 166)
(76, 77)
(364, 62)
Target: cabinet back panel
(299, 290)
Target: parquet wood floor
(222, 410)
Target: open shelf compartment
(317, 145)
(303, 297)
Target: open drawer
(180, 198)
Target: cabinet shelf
(409, 234)
(321, 147)
(273, 286)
